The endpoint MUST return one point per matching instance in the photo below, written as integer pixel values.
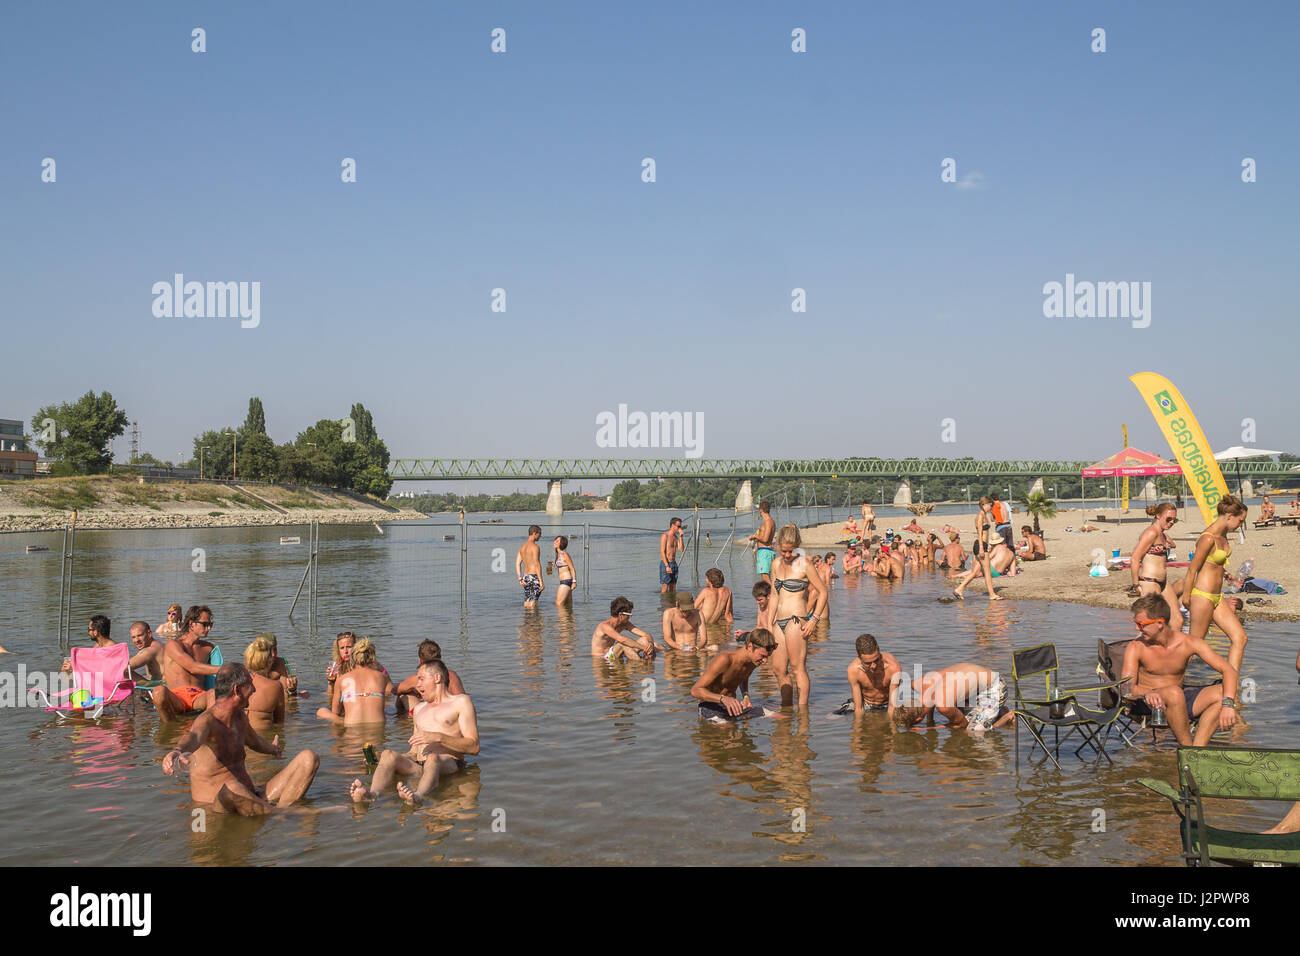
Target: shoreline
(1064, 576)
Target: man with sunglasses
(869, 677)
(1156, 664)
(185, 664)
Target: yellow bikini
(1219, 557)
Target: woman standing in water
(1205, 597)
(566, 572)
(1150, 556)
(792, 578)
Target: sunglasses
(204, 623)
(1144, 621)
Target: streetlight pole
(234, 474)
(202, 449)
(967, 490)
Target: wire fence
(308, 578)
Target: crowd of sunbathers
(231, 702)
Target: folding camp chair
(1135, 717)
(1092, 726)
(1232, 774)
(99, 679)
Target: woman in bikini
(1205, 600)
(982, 563)
(566, 572)
(266, 706)
(342, 651)
(1150, 555)
(792, 579)
(360, 689)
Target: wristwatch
(1229, 702)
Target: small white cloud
(972, 180)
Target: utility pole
(135, 442)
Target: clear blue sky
(775, 170)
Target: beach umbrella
(1237, 452)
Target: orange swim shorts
(187, 695)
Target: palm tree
(1039, 505)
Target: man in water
(870, 676)
(684, 625)
(764, 553)
(185, 664)
(970, 697)
(214, 750)
(608, 641)
(714, 602)
(528, 567)
(729, 671)
(406, 692)
(149, 652)
(766, 618)
(446, 730)
(670, 542)
(1156, 665)
(97, 630)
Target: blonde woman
(172, 628)
(1205, 598)
(793, 579)
(982, 563)
(359, 692)
(266, 706)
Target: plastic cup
(1115, 553)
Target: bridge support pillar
(554, 497)
(745, 496)
(1247, 488)
(903, 493)
(1037, 487)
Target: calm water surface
(581, 762)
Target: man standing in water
(213, 750)
(670, 542)
(729, 671)
(764, 553)
(528, 567)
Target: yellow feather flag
(1125, 445)
(1186, 440)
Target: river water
(581, 762)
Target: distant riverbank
(48, 504)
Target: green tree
(255, 423)
(1039, 505)
(626, 494)
(214, 453)
(81, 432)
(258, 460)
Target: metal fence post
(72, 554)
(696, 545)
(464, 560)
(586, 559)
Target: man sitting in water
(970, 697)
(185, 665)
(214, 747)
(869, 677)
(149, 652)
(446, 730)
(684, 626)
(407, 696)
(729, 671)
(97, 630)
(954, 555)
(714, 602)
(766, 617)
(1156, 665)
(852, 560)
(607, 640)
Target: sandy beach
(1064, 575)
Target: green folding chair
(1058, 708)
(1232, 774)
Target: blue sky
(775, 170)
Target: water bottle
(1057, 710)
(1247, 567)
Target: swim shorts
(188, 695)
(1140, 708)
(983, 714)
(612, 654)
(668, 573)
(763, 559)
(532, 587)
(847, 707)
(716, 712)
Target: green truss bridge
(900, 469)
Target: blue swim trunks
(763, 558)
(668, 573)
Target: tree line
(344, 453)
